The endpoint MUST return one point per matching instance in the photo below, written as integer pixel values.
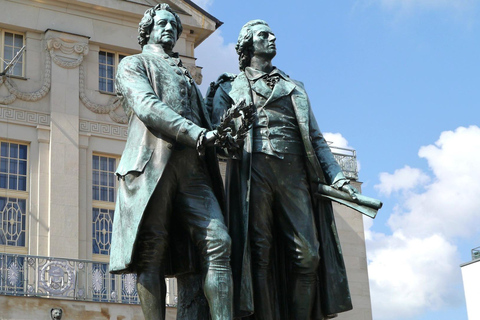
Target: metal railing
(347, 159)
(37, 276)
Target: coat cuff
(188, 134)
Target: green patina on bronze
(170, 194)
(280, 140)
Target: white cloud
(415, 268)
(409, 275)
(428, 4)
(403, 179)
(336, 140)
(216, 57)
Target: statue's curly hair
(146, 24)
(244, 46)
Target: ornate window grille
(107, 66)
(12, 42)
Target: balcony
(347, 159)
(476, 253)
(69, 279)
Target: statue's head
(255, 38)
(160, 25)
(56, 313)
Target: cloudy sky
(399, 81)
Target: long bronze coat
(333, 293)
(153, 93)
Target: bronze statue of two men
(270, 248)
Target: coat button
(169, 146)
(178, 72)
(183, 91)
(183, 130)
(181, 112)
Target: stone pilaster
(43, 193)
(66, 51)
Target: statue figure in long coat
(284, 239)
(168, 192)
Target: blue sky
(399, 81)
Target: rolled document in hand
(366, 205)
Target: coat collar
(158, 49)
(283, 88)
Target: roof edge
(218, 23)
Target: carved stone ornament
(56, 313)
(15, 93)
(109, 108)
(68, 48)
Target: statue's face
(164, 30)
(263, 41)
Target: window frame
(100, 204)
(19, 195)
(2, 53)
(117, 60)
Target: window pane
(18, 41)
(102, 71)
(103, 194)
(102, 57)
(3, 181)
(22, 183)
(111, 180)
(95, 193)
(110, 86)
(102, 85)
(13, 150)
(110, 58)
(13, 166)
(111, 194)
(3, 165)
(22, 167)
(9, 39)
(8, 54)
(103, 163)
(17, 70)
(12, 182)
(103, 179)
(22, 150)
(111, 164)
(95, 162)
(110, 72)
(4, 149)
(95, 178)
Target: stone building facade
(62, 132)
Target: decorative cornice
(103, 129)
(67, 47)
(109, 108)
(26, 117)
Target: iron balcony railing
(25, 275)
(476, 253)
(347, 159)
